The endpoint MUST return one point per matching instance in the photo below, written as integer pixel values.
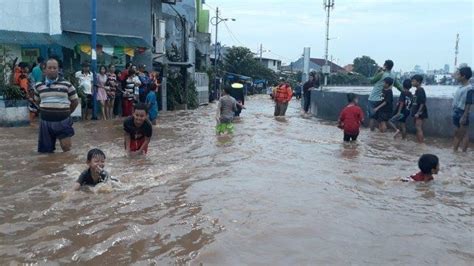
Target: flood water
(278, 192)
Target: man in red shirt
(351, 118)
(283, 95)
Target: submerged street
(277, 192)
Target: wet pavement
(278, 192)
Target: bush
(12, 92)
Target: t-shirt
(85, 81)
(37, 74)
(388, 99)
(418, 99)
(86, 178)
(351, 117)
(421, 177)
(406, 99)
(310, 84)
(132, 83)
(136, 133)
(461, 98)
(377, 91)
(228, 107)
(55, 98)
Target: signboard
(326, 69)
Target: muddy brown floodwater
(278, 192)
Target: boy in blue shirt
(152, 105)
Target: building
(349, 68)
(273, 64)
(316, 64)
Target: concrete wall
(14, 114)
(118, 17)
(328, 105)
(41, 16)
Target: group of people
(57, 98)
(381, 110)
(117, 91)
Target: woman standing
(112, 88)
(102, 90)
(131, 92)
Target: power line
(232, 35)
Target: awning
(69, 39)
(24, 38)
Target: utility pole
(328, 5)
(216, 23)
(216, 81)
(456, 51)
(94, 57)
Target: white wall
(41, 16)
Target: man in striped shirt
(57, 99)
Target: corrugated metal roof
(68, 39)
(24, 38)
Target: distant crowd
(115, 91)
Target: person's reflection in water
(350, 151)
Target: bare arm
(73, 105)
(145, 144)
(380, 106)
(418, 113)
(126, 138)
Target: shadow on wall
(328, 105)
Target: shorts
(457, 114)
(383, 116)
(225, 128)
(400, 118)
(50, 131)
(89, 103)
(135, 145)
(371, 112)
(350, 137)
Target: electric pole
(328, 5)
(94, 57)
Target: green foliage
(12, 92)
(175, 92)
(348, 79)
(240, 60)
(365, 66)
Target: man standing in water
(57, 99)
(376, 96)
(282, 97)
(463, 99)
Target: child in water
(351, 118)
(138, 131)
(226, 109)
(95, 173)
(152, 105)
(429, 166)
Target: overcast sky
(409, 32)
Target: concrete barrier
(14, 113)
(328, 105)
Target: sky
(410, 32)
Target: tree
(240, 60)
(365, 66)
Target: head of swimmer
(140, 114)
(96, 161)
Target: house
(349, 68)
(273, 64)
(316, 64)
